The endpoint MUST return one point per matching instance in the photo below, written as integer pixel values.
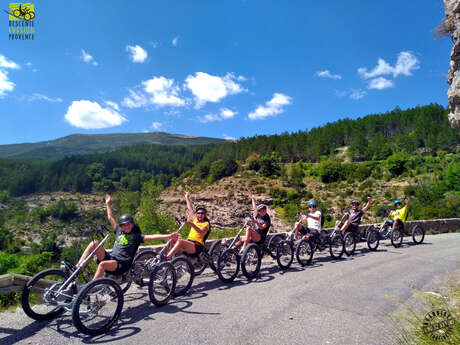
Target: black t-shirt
(355, 216)
(263, 220)
(126, 245)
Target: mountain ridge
(80, 144)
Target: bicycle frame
(237, 236)
(83, 264)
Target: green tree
(152, 219)
(253, 161)
(331, 170)
(396, 163)
(453, 175)
(269, 165)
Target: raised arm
(366, 207)
(108, 201)
(254, 206)
(406, 199)
(191, 211)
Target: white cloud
(327, 74)
(271, 108)
(209, 118)
(5, 63)
(134, 100)
(224, 114)
(159, 91)
(137, 53)
(229, 138)
(40, 97)
(90, 115)
(210, 88)
(380, 83)
(6, 85)
(175, 41)
(163, 92)
(31, 66)
(112, 105)
(405, 64)
(88, 58)
(227, 113)
(172, 112)
(357, 94)
(156, 125)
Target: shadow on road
(16, 335)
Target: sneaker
(68, 267)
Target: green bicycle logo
(21, 11)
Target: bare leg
(100, 253)
(252, 236)
(181, 245)
(345, 225)
(107, 265)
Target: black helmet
(261, 206)
(200, 207)
(355, 202)
(126, 218)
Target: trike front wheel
(162, 283)
(40, 300)
(97, 306)
(251, 260)
(228, 265)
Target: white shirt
(313, 223)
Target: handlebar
(101, 229)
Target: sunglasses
(200, 213)
(312, 206)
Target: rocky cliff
(452, 24)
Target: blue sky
(225, 69)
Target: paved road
(330, 302)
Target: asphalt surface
(329, 302)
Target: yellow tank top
(400, 213)
(195, 235)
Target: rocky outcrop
(452, 24)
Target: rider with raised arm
(128, 238)
(354, 216)
(399, 216)
(310, 223)
(199, 227)
(257, 232)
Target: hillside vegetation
(412, 152)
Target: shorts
(198, 247)
(303, 230)
(313, 233)
(263, 236)
(353, 228)
(123, 266)
(391, 222)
